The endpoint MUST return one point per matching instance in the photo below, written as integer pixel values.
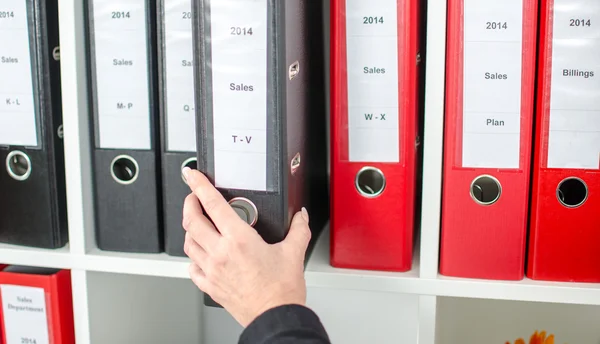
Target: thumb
(299, 234)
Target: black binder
(261, 113)
(32, 179)
(126, 167)
(177, 114)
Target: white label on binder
(492, 67)
(239, 86)
(179, 88)
(25, 315)
(17, 111)
(574, 137)
(121, 58)
(372, 68)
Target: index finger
(215, 205)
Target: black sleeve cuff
(285, 324)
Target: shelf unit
(90, 266)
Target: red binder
(491, 47)
(564, 242)
(36, 306)
(374, 60)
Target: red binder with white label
(374, 60)
(490, 76)
(36, 305)
(564, 242)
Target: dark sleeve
(290, 324)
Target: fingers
(195, 223)
(299, 234)
(194, 251)
(199, 278)
(217, 208)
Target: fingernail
(305, 214)
(186, 173)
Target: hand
(233, 264)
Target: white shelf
(161, 265)
(318, 273)
(29, 256)
(525, 290)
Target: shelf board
(320, 274)
(29, 256)
(524, 290)
(160, 264)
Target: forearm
(291, 324)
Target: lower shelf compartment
(461, 320)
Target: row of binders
(521, 162)
(521, 183)
(235, 89)
(259, 65)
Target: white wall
(127, 309)
(471, 321)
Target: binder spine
(48, 33)
(315, 158)
(125, 125)
(240, 95)
(564, 237)
(374, 53)
(488, 130)
(50, 292)
(30, 115)
(177, 113)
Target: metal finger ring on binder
(255, 65)
(32, 181)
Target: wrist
(273, 303)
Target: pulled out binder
(37, 305)
(565, 207)
(124, 125)
(490, 77)
(374, 132)
(255, 68)
(178, 128)
(32, 176)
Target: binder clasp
(294, 70)
(295, 164)
(56, 53)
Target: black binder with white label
(32, 178)
(126, 167)
(261, 115)
(177, 114)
